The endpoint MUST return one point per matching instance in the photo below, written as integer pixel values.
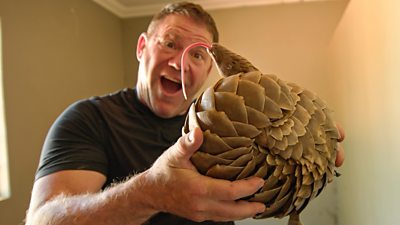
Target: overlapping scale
(256, 124)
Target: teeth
(172, 79)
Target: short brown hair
(194, 11)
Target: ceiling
(136, 8)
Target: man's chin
(168, 112)
(168, 107)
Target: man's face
(159, 54)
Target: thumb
(188, 144)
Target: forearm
(121, 204)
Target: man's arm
(74, 197)
(171, 185)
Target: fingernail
(261, 184)
(261, 209)
(191, 136)
(337, 146)
(339, 135)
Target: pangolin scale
(256, 124)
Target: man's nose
(176, 61)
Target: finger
(179, 154)
(233, 190)
(341, 132)
(188, 144)
(235, 210)
(339, 155)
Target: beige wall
(54, 53)
(365, 61)
(289, 40)
(131, 29)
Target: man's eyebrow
(174, 34)
(170, 33)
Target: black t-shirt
(115, 135)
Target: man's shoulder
(102, 101)
(113, 96)
(94, 105)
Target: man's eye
(198, 55)
(169, 44)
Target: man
(94, 147)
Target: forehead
(184, 27)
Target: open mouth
(170, 85)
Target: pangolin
(256, 124)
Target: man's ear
(141, 44)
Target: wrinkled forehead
(184, 28)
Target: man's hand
(175, 186)
(340, 150)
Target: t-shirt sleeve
(75, 142)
